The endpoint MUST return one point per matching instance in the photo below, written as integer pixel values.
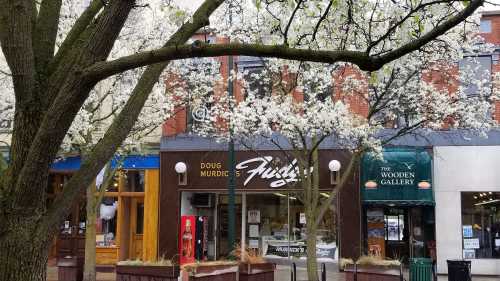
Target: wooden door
(136, 228)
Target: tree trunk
(311, 230)
(89, 273)
(23, 257)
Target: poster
(253, 216)
(302, 218)
(187, 239)
(471, 243)
(253, 243)
(253, 230)
(467, 231)
(469, 254)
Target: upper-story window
(475, 75)
(257, 79)
(485, 26)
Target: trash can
(459, 270)
(70, 268)
(421, 269)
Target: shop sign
(262, 167)
(300, 251)
(403, 174)
(258, 167)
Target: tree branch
(363, 60)
(45, 34)
(124, 122)
(80, 25)
(431, 35)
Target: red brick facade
(442, 77)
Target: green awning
(402, 178)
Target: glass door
(417, 237)
(224, 249)
(396, 233)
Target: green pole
(231, 169)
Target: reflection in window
(269, 217)
(481, 225)
(475, 75)
(394, 227)
(485, 26)
(106, 222)
(135, 181)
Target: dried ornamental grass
(250, 256)
(370, 260)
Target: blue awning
(66, 164)
(138, 162)
(69, 164)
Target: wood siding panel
(151, 204)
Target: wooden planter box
(146, 273)
(373, 273)
(211, 273)
(257, 272)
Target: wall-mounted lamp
(334, 167)
(181, 170)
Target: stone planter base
(257, 272)
(373, 273)
(146, 273)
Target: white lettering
(265, 171)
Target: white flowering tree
(57, 51)
(307, 103)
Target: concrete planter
(146, 273)
(211, 272)
(257, 271)
(373, 273)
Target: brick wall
(442, 77)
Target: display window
(276, 227)
(481, 225)
(106, 222)
(272, 224)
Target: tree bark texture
(23, 256)
(89, 272)
(311, 231)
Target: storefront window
(106, 222)
(134, 181)
(481, 225)
(269, 217)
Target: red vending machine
(193, 240)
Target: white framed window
(485, 26)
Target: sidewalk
(282, 274)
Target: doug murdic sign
(265, 168)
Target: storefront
(270, 214)
(127, 217)
(398, 204)
(467, 188)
